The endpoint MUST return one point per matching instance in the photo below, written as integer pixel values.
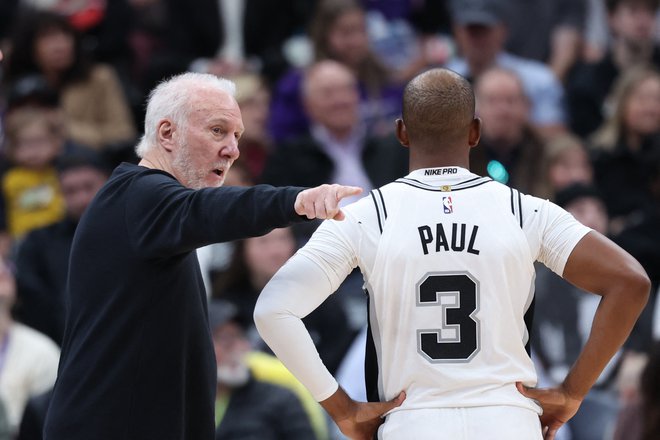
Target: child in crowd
(30, 191)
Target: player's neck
(419, 160)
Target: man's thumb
(390, 404)
(526, 391)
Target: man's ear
(402, 133)
(165, 134)
(475, 132)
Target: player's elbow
(265, 312)
(262, 314)
(637, 285)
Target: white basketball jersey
(447, 258)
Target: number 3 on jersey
(456, 295)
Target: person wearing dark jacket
(42, 260)
(337, 148)
(247, 408)
(137, 359)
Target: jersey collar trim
(443, 179)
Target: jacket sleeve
(166, 218)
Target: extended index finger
(346, 191)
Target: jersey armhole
(516, 206)
(381, 210)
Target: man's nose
(231, 150)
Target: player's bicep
(596, 263)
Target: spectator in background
(96, 111)
(640, 418)
(641, 238)
(30, 191)
(509, 150)
(253, 97)
(29, 359)
(42, 260)
(337, 147)
(625, 141)
(244, 406)
(563, 315)
(409, 36)
(254, 262)
(547, 31)
(480, 31)
(565, 161)
(338, 31)
(632, 25)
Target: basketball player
(447, 258)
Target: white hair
(171, 100)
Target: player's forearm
(296, 290)
(614, 319)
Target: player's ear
(402, 133)
(475, 132)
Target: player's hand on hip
(558, 407)
(365, 418)
(323, 201)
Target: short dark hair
(438, 104)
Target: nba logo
(447, 205)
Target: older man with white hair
(137, 358)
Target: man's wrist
(339, 406)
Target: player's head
(438, 112)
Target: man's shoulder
(531, 71)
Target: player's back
(449, 285)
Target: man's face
(502, 106)
(332, 98)
(480, 44)
(231, 348)
(79, 186)
(207, 146)
(634, 22)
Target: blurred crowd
(569, 95)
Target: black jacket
(302, 162)
(42, 265)
(137, 358)
(264, 411)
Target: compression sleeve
(298, 288)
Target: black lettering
(426, 237)
(473, 237)
(455, 235)
(441, 238)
